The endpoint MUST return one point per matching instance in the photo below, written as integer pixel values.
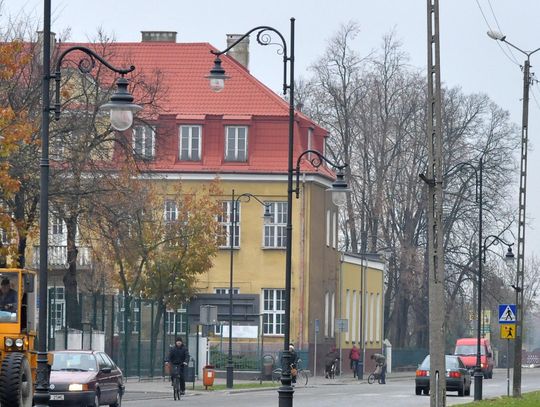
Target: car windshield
(468, 350)
(74, 362)
(9, 283)
(451, 362)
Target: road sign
(317, 326)
(507, 313)
(342, 325)
(508, 331)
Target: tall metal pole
(230, 365)
(435, 224)
(286, 391)
(478, 374)
(41, 397)
(518, 344)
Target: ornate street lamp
(122, 109)
(217, 82)
(267, 218)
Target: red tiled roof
(184, 67)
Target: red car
(85, 378)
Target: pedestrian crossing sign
(507, 313)
(508, 331)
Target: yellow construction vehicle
(17, 336)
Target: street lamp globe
(121, 107)
(509, 258)
(217, 76)
(339, 190)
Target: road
(397, 392)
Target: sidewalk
(160, 388)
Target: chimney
(40, 45)
(158, 36)
(240, 52)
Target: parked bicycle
(302, 376)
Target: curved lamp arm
(264, 37)
(316, 161)
(476, 170)
(496, 240)
(85, 65)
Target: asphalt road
(398, 392)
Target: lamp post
(482, 247)
(233, 221)
(122, 109)
(217, 79)
(527, 79)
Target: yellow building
(361, 304)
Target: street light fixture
(267, 218)
(217, 79)
(121, 104)
(527, 80)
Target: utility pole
(437, 379)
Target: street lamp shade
(267, 217)
(121, 106)
(509, 258)
(339, 190)
(217, 76)
(496, 35)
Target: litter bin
(360, 370)
(268, 366)
(208, 375)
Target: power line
(501, 30)
(490, 29)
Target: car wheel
(426, 391)
(96, 400)
(118, 402)
(490, 375)
(468, 391)
(418, 391)
(461, 390)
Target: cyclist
(294, 362)
(330, 362)
(380, 360)
(178, 357)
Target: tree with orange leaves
(17, 132)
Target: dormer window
(190, 143)
(144, 142)
(236, 139)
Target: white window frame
(334, 230)
(175, 320)
(275, 232)
(134, 317)
(333, 315)
(273, 310)
(378, 318)
(348, 314)
(146, 149)
(328, 227)
(224, 219)
(236, 151)
(170, 211)
(193, 148)
(353, 317)
(326, 313)
(57, 302)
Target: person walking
(330, 363)
(179, 358)
(354, 357)
(380, 360)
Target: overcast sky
(469, 58)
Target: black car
(85, 378)
(458, 377)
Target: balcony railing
(58, 257)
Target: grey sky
(468, 57)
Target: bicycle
(376, 375)
(302, 376)
(175, 378)
(334, 370)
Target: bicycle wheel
(302, 378)
(371, 378)
(276, 375)
(176, 388)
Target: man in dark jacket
(178, 358)
(8, 296)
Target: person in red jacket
(354, 357)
